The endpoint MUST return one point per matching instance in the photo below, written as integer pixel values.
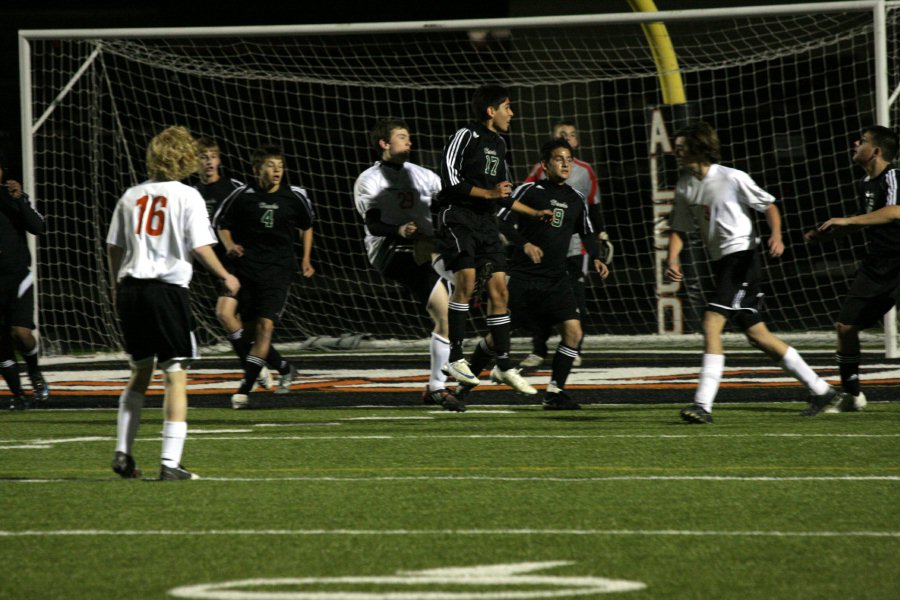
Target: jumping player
(394, 197)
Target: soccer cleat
(39, 388)
(696, 414)
(178, 473)
(285, 381)
(577, 361)
(462, 391)
(444, 398)
(124, 467)
(847, 403)
(240, 401)
(559, 401)
(513, 379)
(460, 371)
(818, 403)
(531, 362)
(264, 380)
(19, 402)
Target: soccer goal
(787, 87)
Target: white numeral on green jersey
(558, 216)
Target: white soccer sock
(128, 420)
(174, 434)
(440, 355)
(710, 376)
(794, 364)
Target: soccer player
(394, 197)
(721, 202)
(475, 184)
(18, 218)
(256, 225)
(215, 189)
(540, 289)
(877, 281)
(155, 228)
(582, 179)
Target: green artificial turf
(763, 504)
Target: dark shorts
(737, 294)
(17, 300)
(263, 298)
(418, 279)
(156, 320)
(536, 302)
(470, 240)
(873, 292)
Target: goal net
(787, 93)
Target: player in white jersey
(156, 230)
(721, 202)
(584, 180)
(394, 197)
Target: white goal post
(788, 88)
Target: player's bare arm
(673, 262)
(601, 268)
(524, 209)
(306, 263)
(231, 249)
(208, 258)
(773, 217)
(501, 190)
(533, 252)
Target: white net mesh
(786, 93)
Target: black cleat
(124, 467)
(443, 397)
(559, 401)
(178, 473)
(39, 388)
(19, 402)
(819, 403)
(696, 414)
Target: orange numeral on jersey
(156, 219)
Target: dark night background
(614, 121)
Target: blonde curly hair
(172, 155)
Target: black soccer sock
(498, 325)
(252, 366)
(10, 371)
(277, 362)
(849, 367)
(481, 358)
(457, 315)
(239, 344)
(31, 359)
(539, 341)
(562, 365)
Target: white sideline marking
(206, 431)
(213, 435)
(389, 418)
(328, 478)
(440, 532)
(294, 424)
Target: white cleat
(285, 381)
(264, 380)
(240, 401)
(460, 371)
(513, 380)
(577, 361)
(532, 361)
(847, 403)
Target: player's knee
(844, 330)
(141, 374)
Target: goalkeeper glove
(605, 249)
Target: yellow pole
(663, 54)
